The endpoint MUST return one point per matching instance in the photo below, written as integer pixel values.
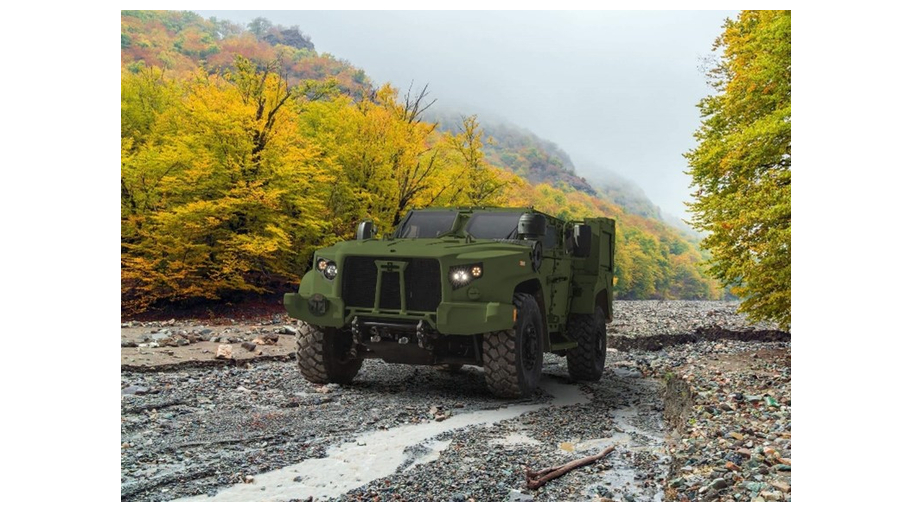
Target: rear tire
(513, 358)
(323, 358)
(586, 361)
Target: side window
(550, 239)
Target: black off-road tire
(586, 361)
(322, 357)
(513, 359)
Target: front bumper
(449, 318)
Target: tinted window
(426, 224)
(493, 224)
(550, 239)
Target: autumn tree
(222, 194)
(482, 185)
(741, 167)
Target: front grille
(390, 293)
(358, 281)
(423, 284)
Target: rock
(298, 478)
(772, 495)
(677, 483)
(736, 435)
(160, 335)
(782, 467)
(781, 486)
(287, 329)
(516, 495)
(267, 339)
(459, 497)
(731, 466)
(128, 343)
(224, 352)
(153, 344)
(758, 499)
(248, 479)
(171, 321)
(182, 342)
(134, 390)
(719, 483)
(249, 346)
(745, 452)
(440, 416)
(754, 486)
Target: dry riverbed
(696, 401)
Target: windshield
(426, 224)
(493, 224)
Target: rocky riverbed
(695, 400)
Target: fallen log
(536, 479)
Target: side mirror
(581, 238)
(365, 230)
(532, 225)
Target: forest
(243, 150)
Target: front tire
(322, 357)
(513, 358)
(586, 361)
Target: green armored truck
(492, 287)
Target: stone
(772, 495)
(249, 346)
(287, 329)
(731, 466)
(516, 495)
(736, 435)
(248, 479)
(128, 343)
(781, 486)
(266, 339)
(719, 483)
(224, 352)
(134, 390)
(298, 478)
(754, 486)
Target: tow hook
(421, 334)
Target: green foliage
(741, 167)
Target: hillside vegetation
(244, 150)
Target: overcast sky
(616, 90)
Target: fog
(616, 90)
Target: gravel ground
(258, 431)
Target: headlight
(463, 274)
(327, 268)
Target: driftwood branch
(536, 479)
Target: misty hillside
(355, 144)
(522, 152)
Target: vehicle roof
(486, 208)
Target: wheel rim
(529, 347)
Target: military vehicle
(491, 287)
